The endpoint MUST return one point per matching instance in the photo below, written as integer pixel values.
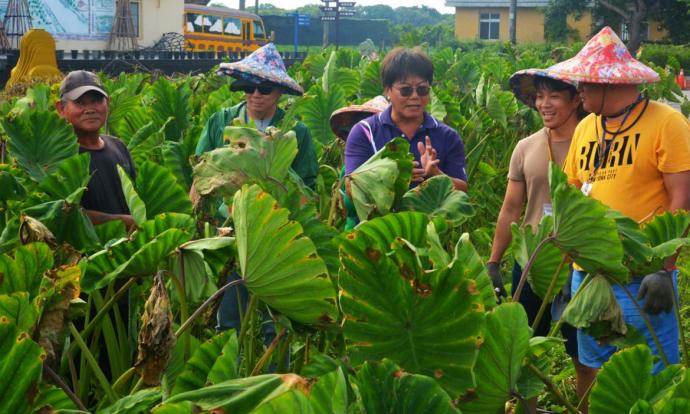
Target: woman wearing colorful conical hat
(633, 155)
(263, 79)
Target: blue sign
(300, 20)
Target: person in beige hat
(633, 155)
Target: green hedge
(672, 55)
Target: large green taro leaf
(17, 308)
(241, 395)
(69, 179)
(137, 208)
(213, 362)
(468, 262)
(170, 99)
(666, 233)
(329, 394)
(316, 109)
(595, 309)
(39, 141)
(437, 197)
(142, 253)
(68, 223)
(378, 185)
(139, 402)
(159, 190)
(21, 360)
(251, 157)
(11, 187)
(546, 262)
(24, 271)
(278, 263)
(627, 377)
(383, 388)
(500, 358)
(584, 232)
(428, 321)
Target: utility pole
(512, 15)
(256, 7)
(242, 4)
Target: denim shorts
(593, 355)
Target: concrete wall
(155, 18)
(530, 24)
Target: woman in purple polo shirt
(407, 75)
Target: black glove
(494, 270)
(565, 291)
(657, 291)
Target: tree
(633, 14)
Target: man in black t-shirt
(84, 104)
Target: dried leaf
(156, 337)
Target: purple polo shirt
(371, 134)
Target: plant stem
(557, 326)
(652, 332)
(552, 387)
(184, 310)
(60, 383)
(245, 321)
(549, 293)
(528, 267)
(109, 393)
(683, 344)
(126, 376)
(204, 305)
(335, 193)
(267, 354)
(106, 307)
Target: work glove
(494, 270)
(657, 291)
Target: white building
(86, 24)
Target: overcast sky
(291, 4)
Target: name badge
(586, 188)
(547, 209)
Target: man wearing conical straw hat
(633, 155)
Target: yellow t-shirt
(630, 178)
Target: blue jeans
(228, 316)
(593, 355)
(532, 302)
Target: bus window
(232, 26)
(194, 23)
(214, 24)
(258, 29)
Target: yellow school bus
(222, 29)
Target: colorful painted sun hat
(522, 84)
(604, 59)
(263, 65)
(343, 119)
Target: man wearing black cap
(84, 104)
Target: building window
(489, 25)
(134, 11)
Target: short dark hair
(542, 82)
(401, 63)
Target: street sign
(327, 18)
(346, 13)
(327, 8)
(347, 4)
(301, 22)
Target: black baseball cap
(78, 82)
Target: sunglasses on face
(263, 89)
(408, 90)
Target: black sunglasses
(263, 89)
(408, 90)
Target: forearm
(503, 235)
(99, 217)
(459, 184)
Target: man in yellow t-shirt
(633, 155)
